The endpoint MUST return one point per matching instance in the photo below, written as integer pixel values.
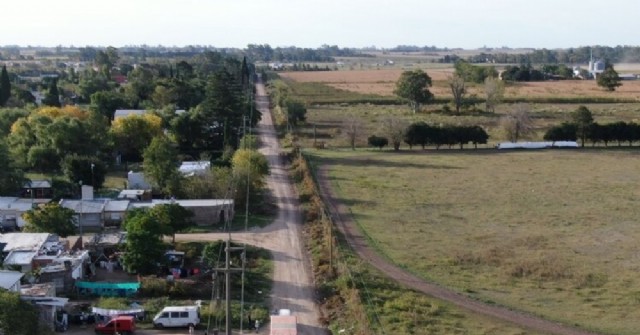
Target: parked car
(122, 324)
(177, 316)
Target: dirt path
(358, 242)
(293, 286)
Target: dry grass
(382, 82)
(549, 232)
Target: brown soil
(358, 242)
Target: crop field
(382, 82)
(553, 233)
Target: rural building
(10, 280)
(88, 212)
(44, 297)
(127, 112)
(26, 250)
(37, 189)
(135, 195)
(11, 210)
(206, 211)
(115, 212)
(192, 168)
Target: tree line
(422, 134)
(585, 129)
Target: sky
(467, 24)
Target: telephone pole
(227, 277)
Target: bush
(153, 287)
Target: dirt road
(358, 242)
(293, 285)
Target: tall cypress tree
(52, 98)
(5, 86)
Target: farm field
(552, 233)
(382, 82)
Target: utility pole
(227, 277)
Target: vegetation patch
(537, 231)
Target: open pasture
(552, 232)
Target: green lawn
(553, 233)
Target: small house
(89, 213)
(115, 212)
(37, 189)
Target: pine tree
(5, 86)
(52, 98)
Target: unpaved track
(342, 219)
(293, 286)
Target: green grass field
(553, 233)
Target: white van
(177, 316)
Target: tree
(458, 90)
(132, 134)
(52, 218)
(517, 123)
(394, 128)
(144, 247)
(413, 87)
(52, 98)
(250, 161)
(17, 316)
(5, 86)
(494, 91)
(583, 119)
(377, 141)
(11, 178)
(352, 127)
(249, 171)
(86, 169)
(296, 112)
(563, 132)
(160, 164)
(173, 217)
(106, 102)
(417, 134)
(609, 78)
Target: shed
(135, 195)
(38, 189)
(10, 280)
(21, 258)
(191, 168)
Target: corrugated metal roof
(127, 112)
(9, 278)
(84, 206)
(20, 257)
(37, 184)
(184, 203)
(116, 205)
(24, 241)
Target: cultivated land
(552, 233)
(382, 82)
